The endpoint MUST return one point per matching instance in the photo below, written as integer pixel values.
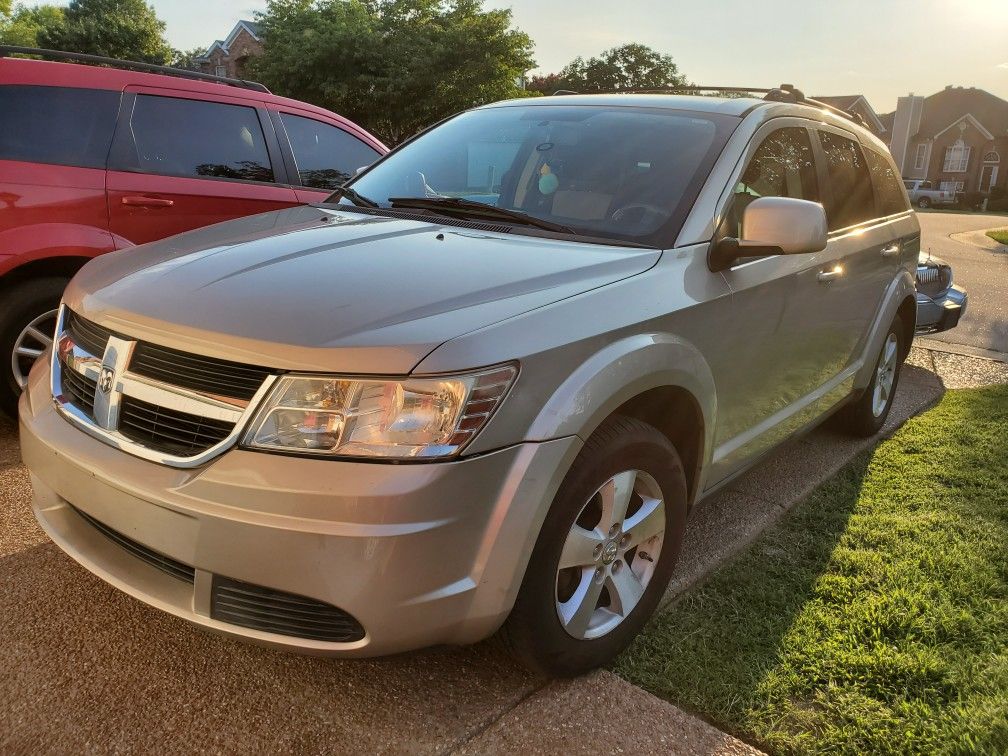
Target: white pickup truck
(924, 195)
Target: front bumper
(418, 554)
(942, 313)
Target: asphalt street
(983, 273)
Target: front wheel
(924, 203)
(27, 324)
(605, 553)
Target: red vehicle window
(57, 125)
(326, 156)
(197, 139)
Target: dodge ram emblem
(105, 380)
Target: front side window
(892, 199)
(782, 166)
(852, 199)
(197, 139)
(920, 157)
(326, 156)
(956, 157)
(57, 125)
(625, 173)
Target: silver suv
(481, 388)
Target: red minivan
(95, 159)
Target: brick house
(858, 104)
(957, 138)
(229, 56)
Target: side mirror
(774, 226)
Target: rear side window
(57, 125)
(782, 166)
(326, 156)
(853, 201)
(891, 197)
(176, 137)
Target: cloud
(1002, 65)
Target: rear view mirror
(774, 226)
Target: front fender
(900, 290)
(619, 372)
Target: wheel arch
(657, 378)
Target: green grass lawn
(999, 235)
(873, 618)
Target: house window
(991, 157)
(920, 157)
(956, 157)
(952, 186)
(220, 71)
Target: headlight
(381, 419)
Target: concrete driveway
(984, 273)
(87, 668)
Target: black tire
(533, 632)
(924, 203)
(860, 418)
(22, 303)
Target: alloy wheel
(610, 554)
(885, 375)
(29, 345)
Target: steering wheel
(626, 213)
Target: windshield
(623, 173)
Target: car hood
(312, 288)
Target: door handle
(134, 201)
(830, 275)
(891, 250)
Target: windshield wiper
(472, 208)
(353, 195)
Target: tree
(394, 66)
(21, 25)
(126, 29)
(186, 59)
(632, 66)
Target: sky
(880, 48)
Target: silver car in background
(940, 303)
(481, 388)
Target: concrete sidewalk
(87, 668)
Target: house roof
(947, 107)
(846, 102)
(887, 120)
(252, 27)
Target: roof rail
(783, 93)
(129, 65)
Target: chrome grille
(933, 279)
(91, 337)
(193, 371)
(161, 404)
(178, 433)
(271, 611)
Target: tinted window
(892, 199)
(614, 172)
(176, 137)
(325, 155)
(57, 125)
(782, 166)
(853, 201)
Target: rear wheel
(868, 414)
(605, 553)
(27, 324)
